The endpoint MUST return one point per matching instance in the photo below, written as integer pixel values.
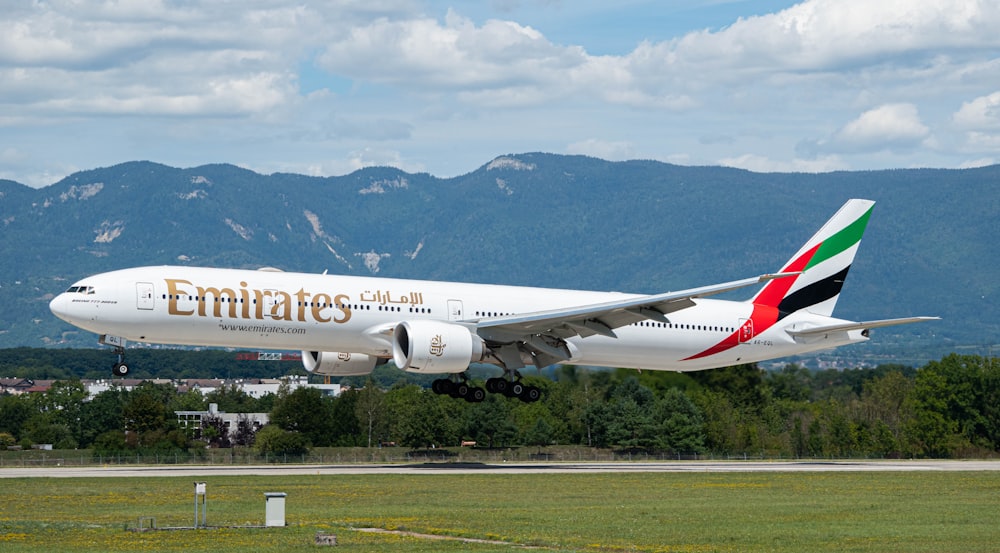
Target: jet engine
(435, 347)
(332, 363)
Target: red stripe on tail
(777, 289)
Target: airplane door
(455, 312)
(746, 330)
(144, 295)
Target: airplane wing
(542, 334)
(864, 325)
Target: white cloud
(12, 156)
(819, 35)
(982, 162)
(980, 114)
(614, 151)
(982, 142)
(827, 84)
(347, 163)
(134, 58)
(503, 63)
(887, 127)
(762, 164)
(425, 55)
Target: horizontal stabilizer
(864, 325)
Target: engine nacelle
(332, 363)
(435, 347)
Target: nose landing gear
(120, 368)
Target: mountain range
(536, 219)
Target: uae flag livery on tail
(823, 263)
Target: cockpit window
(80, 290)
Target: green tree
(842, 439)
(887, 410)
(346, 429)
(595, 418)
(931, 431)
(793, 382)
(14, 413)
(798, 438)
(103, 413)
(232, 399)
(246, 432)
(273, 440)
(192, 400)
(149, 424)
(631, 425)
(45, 429)
(490, 423)
(990, 389)
(630, 388)
(743, 384)
(308, 412)
(214, 431)
(575, 399)
(541, 434)
(817, 438)
(422, 419)
(722, 422)
(144, 412)
(111, 442)
(679, 423)
(369, 410)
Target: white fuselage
(309, 312)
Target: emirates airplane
(347, 325)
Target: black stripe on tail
(817, 292)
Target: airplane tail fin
(823, 261)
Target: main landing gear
(462, 389)
(514, 388)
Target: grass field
(642, 512)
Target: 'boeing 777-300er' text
(346, 325)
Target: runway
(133, 471)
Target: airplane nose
(58, 307)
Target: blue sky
(325, 88)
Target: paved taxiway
(118, 471)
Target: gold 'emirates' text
(247, 303)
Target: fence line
(382, 455)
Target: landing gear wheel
(476, 395)
(459, 390)
(120, 368)
(530, 394)
(514, 389)
(442, 386)
(496, 385)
